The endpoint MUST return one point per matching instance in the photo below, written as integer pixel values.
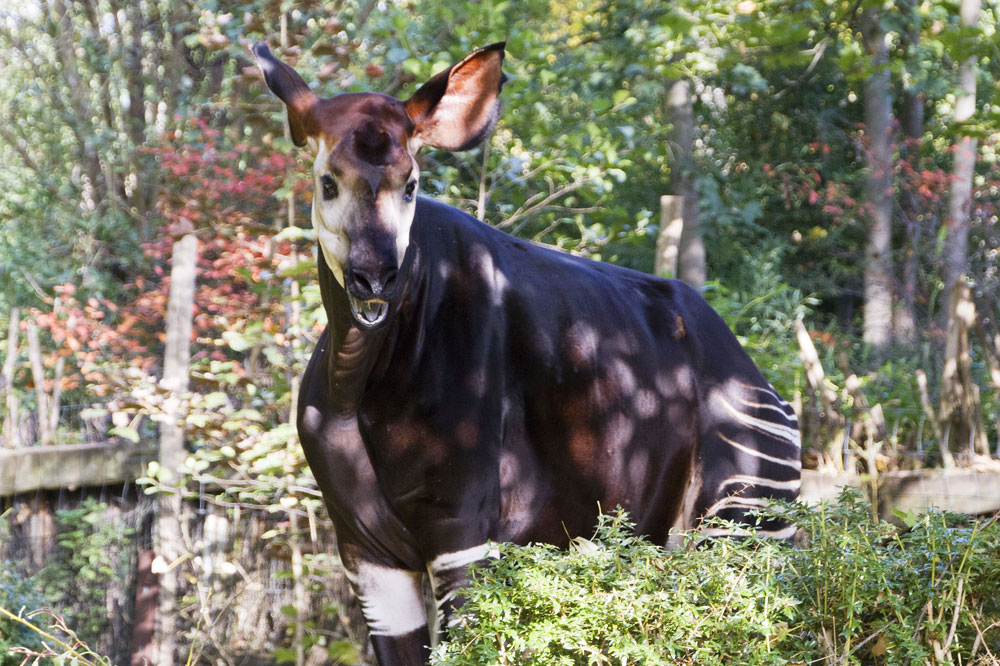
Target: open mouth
(368, 313)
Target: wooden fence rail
(73, 466)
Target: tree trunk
(956, 244)
(669, 239)
(912, 125)
(878, 256)
(80, 123)
(42, 417)
(177, 357)
(56, 397)
(290, 170)
(960, 411)
(11, 417)
(142, 188)
(831, 422)
(680, 114)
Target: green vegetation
(94, 554)
(126, 124)
(19, 595)
(854, 592)
(55, 643)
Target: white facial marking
(329, 218)
(391, 599)
(398, 213)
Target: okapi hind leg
(752, 456)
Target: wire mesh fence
(80, 552)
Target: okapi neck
(351, 352)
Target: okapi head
(365, 172)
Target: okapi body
(472, 387)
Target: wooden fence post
(11, 431)
(669, 239)
(177, 357)
(147, 590)
(42, 406)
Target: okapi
(472, 387)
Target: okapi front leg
(393, 605)
(448, 574)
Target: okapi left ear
(286, 83)
(457, 109)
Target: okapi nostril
(372, 284)
(388, 278)
(365, 286)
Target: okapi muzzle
(365, 171)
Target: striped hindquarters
(752, 455)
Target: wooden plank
(958, 490)
(73, 466)
(34, 468)
(823, 487)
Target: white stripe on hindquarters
(391, 599)
(775, 408)
(736, 502)
(748, 480)
(783, 533)
(775, 430)
(794, 463)
(769, 391)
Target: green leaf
(397, 55)
(909, 518)
(235, 341)
(284, 655)
(197, 420)
(125, 432)
(91, 413)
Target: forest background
(837, 159)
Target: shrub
(93, 561)
(857, 592)
(17, 594)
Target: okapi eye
(329, 187)
(408, 192)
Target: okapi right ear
(290, 89)
(457, 109)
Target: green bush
(17, 594)
(94, 554)
(856, 592)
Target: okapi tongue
(368, 313)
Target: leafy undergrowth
(853, 591)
